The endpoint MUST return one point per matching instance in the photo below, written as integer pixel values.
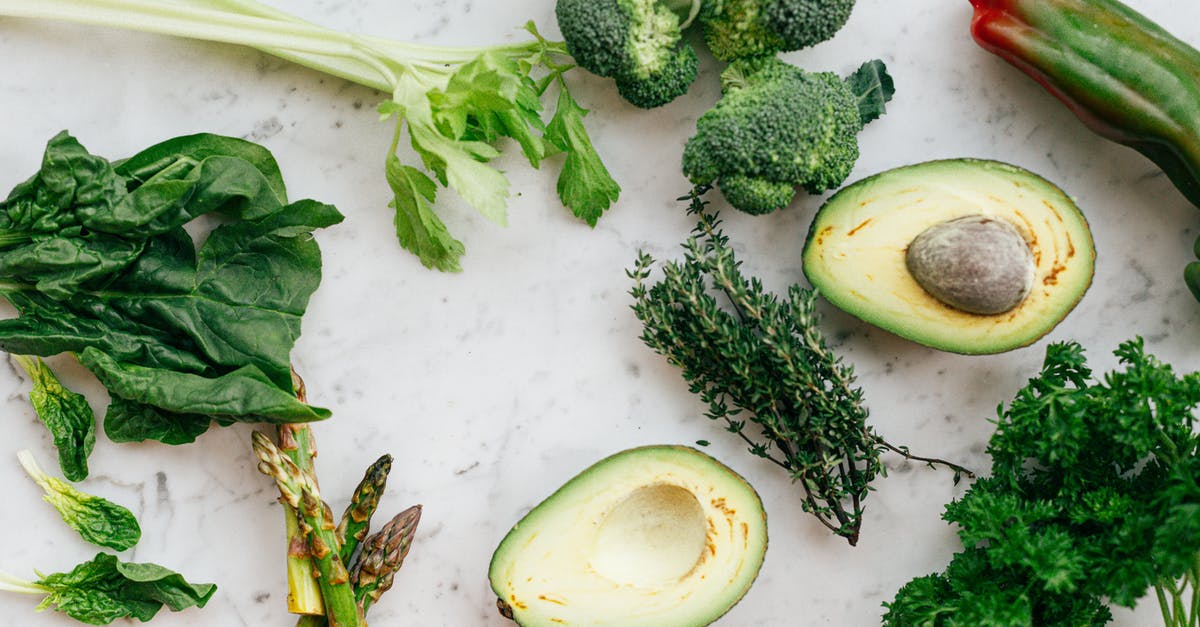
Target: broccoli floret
(635, 42)
(778, 127)
(734, 29)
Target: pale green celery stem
(374, 62)
(9, 583)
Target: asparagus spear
(304, 597)
(296, 441)
(356, 521)
(382, 555)
(299, 490)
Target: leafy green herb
(95, 258)
(763, 359)
(585, 185)
(66, 414)
(106, 589)
(455, 102)
(1093, 498)
(97, 519)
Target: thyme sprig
(754, 357)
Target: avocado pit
(974, 263)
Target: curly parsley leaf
(1093, 499)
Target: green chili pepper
(1124, 76)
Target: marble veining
(492, 387)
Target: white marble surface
(493, 386)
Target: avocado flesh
(855, 252)
(661, 536)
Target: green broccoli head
(778, 127)
(735, 29)
(635, 42)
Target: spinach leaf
(97, 519)
(96, 260)
(65, 413)
(106, 589)
(195, 148)
(131, 421)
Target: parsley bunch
(755, 357)
(1093, 498)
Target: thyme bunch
(754, 357)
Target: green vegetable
(299, 491)
(66, 414)
(1124, 76)
(356, 520)
(638, 43)
(97, 520)
(382, 556)
(1093, 498)
(106, 589)
(455, 102)
(777, 127)
(736, 29)
(762, 359)
(95, 258)
(350, 581)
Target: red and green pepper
(1123, 75)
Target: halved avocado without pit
(964, 215)
(657, 536)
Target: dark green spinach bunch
(755, 357)
(1093, 498)
(95, 257)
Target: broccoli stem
(687, 10)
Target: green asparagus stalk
(382, 555)
(356, 520)
(298, 489)
(296, 441)
(304, 596)
(341, 610)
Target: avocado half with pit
(658, 536)
(964, 255)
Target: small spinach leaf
(65, 413)
(97, 520)
(106, 589)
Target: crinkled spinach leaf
(66, 414)
(97, 519)
(106, 589)
(95, 258)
